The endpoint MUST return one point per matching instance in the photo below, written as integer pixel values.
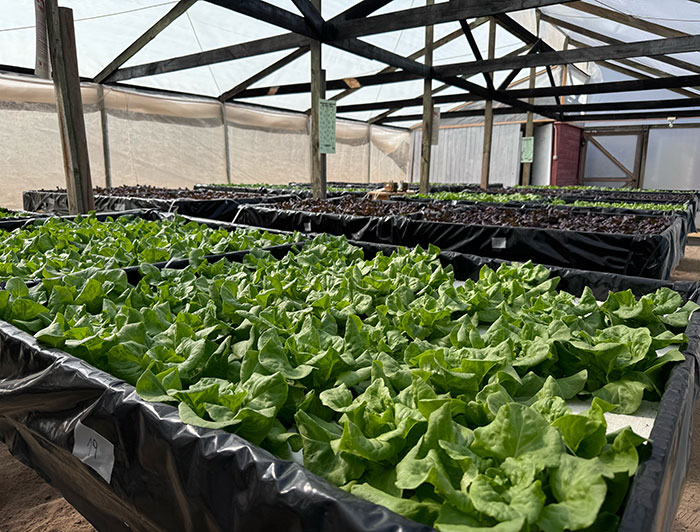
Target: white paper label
(94, 450)
(498, 243)
(307, 226)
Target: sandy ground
(28, 504)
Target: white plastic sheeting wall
(673, 160)
(178, 142)
(457, 157)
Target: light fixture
(670, 120)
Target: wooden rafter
(211, 57)
(274, 67)
(475, 49)
(580, 55)
(607, 87)
(552, 82)
(464, 97)
(451, 11)
(643, 115)
(150, 34)
(672, 103)
(513, 73)
(609, 40)
(311, 14)
(633, 65)
(638, 75)
(627, 20)
(418, 54)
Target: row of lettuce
(446, 403)
(55, 246)
(487, 197)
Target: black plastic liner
(652, 256)
(171, 477)
(223, 209)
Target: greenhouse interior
(349, 265)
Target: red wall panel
(565, 156)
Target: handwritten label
(498, 243)
(94, 450)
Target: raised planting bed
(499, 400)
(215, 205)
(647, 246)
(52, 247)
(515, 199)
(572, 194)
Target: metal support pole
(488, 115)
(69, 103)
(424, 185)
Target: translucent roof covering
(104, 28)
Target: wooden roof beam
(150, 34)
(580, 55)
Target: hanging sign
(436, 127)
(527, 150)
(326, 126)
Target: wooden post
(529, 127)
(424, 186)
(324, 163)
(488, 115)
(69, 103)
(105, 136)
(369, 152)
(227, 150)
(318, 182)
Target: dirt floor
(28, 504)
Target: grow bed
(646, 246)
(197, 203)
(682, 210)
(147, 471)
(692, 197)
(50, 247)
